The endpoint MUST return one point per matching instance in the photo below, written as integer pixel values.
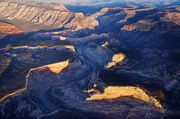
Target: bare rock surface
(127, 67)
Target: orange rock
(9, 29)
(129, 27)
(173, 17)
(113, 92)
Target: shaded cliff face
(118, 17)
(45, 17)
(139, 19)
(118, 70)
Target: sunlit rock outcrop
(43, 16)
(173, 17)
(47, 69)
(105, 44)
(9, 29)
(130, 13)
(62, 38)
(117, 57)
(36, 48)
(129, 27)
(56, 67)
(113, 92)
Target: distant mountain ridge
(18, 1)
(50, 16)
(96, 2)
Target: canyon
(117, 63)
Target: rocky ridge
(81, 86)
(53, 18)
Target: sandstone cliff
(54, 18)
(8, 28)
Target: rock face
(4, 63)
(6, 28)
(105, 73)
(102, 2)
(53, 18)
(129, 27)
(173, 17)
(19, 1)
(113, 92)
(66, 89)
(118, 57)
(54, 89)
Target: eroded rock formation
(51, 17)
(103, 73)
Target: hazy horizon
(95, 2)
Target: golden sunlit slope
(9, 29)
(118, 57)
(173, 17)
(55, 68)
(43, 17)
(113, 92)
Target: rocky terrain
(41, 17)
(6, 29)
(111, 2)
(117, 63)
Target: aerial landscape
(89, 59)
